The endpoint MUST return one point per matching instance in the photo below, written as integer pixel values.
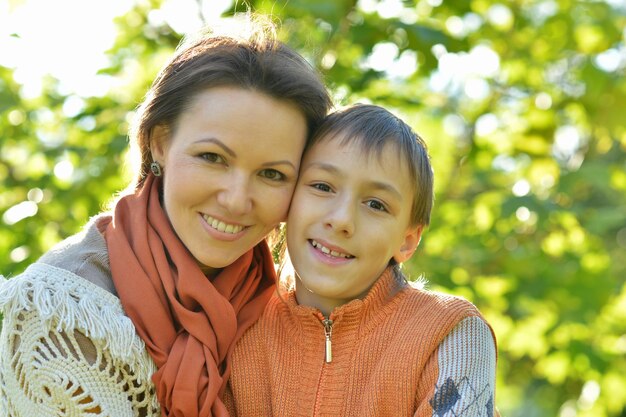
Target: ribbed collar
(366, 312)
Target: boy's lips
(330, 250)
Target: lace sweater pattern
(68, 349)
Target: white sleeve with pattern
(467, 370)
(68, 349)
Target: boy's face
(349, 216)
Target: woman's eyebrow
(281, 162)
(234, 155)
(218, 143)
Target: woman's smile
(221, 226)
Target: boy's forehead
(359, 147)
(352, 149)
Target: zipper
(328, 332)
(328, 358)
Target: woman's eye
(376, 205)
(321, 187)
(272, 174)
(212, 158)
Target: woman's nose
(235, 195)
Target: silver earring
(156, 169)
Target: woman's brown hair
(253, 59)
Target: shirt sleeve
(466, 360)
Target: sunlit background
(67, 39)
(522, 105)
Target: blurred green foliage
(522, 105)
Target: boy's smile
(349, 217)
(329, 253)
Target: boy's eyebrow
(386, 187)
(373, 184)
(324, 166)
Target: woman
(138, 314)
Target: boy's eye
(321, 187)
(212, 158)
(273, 175)
(376, 205)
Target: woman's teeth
(220, 226)
(327, 251)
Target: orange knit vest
(384, 355)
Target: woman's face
(229, 171)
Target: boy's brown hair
(373, 128)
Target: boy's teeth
(327, 251)
(221, 226)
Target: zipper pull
(328, 332)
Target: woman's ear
(412, 238)
(158, 142)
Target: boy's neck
(326, 305)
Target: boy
(354, 338)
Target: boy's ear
(412, 238)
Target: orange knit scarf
(188, 322)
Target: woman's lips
(221, 230)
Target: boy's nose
(235, 195)
(341, 219)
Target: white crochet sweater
(66, 346)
